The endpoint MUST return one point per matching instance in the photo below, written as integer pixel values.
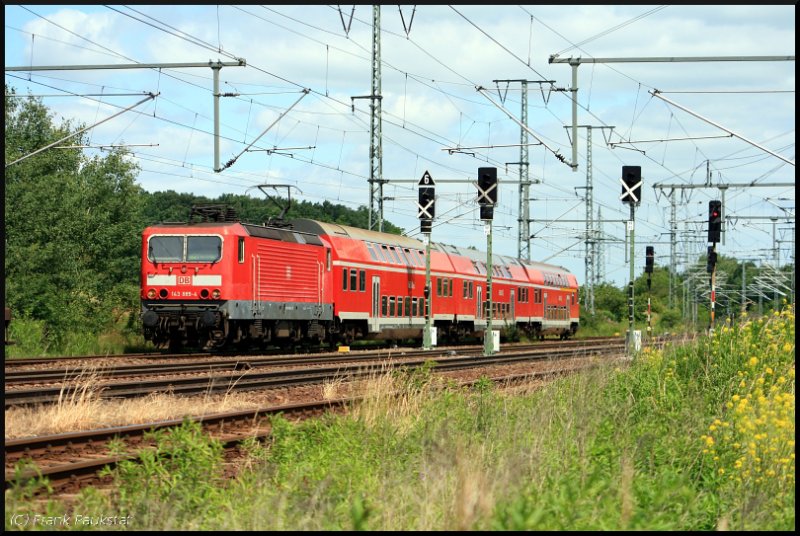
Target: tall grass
(31, 338)
(666, 442)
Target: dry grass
(334, 388)
(84, 410)
(386, 395)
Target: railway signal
(714, 221)
(426, 205)
(632, 194)
(426, 213)
(631, 184)
(487, 191)
(714, 230)
(487, 199)
(649, 257)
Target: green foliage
(602, 324)
(27, 336)
(172, 484)
(670, 319)
(642, 469)
(359, 513)
(413, 379)
(510, 333)
(22, 486)
(24, 498)
(609, 298)
(71, 227)
(30, 339)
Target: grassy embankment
(689, 438)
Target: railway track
(71, 461)
(17, 374)
(242, 375)
(110, 360)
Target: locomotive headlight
(163, 293)
(151, 294)
(204, 293)
(215, 294)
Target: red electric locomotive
(213, 283)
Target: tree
(609, 298)
(72, 225)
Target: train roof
(335, 229)
(480, 256)
(283, 234)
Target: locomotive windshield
(166, 249)
(203, 248)
(184, 248)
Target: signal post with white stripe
(632, 194)
(487, 199)
(426, 211)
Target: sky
(297, 114)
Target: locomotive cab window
(203, 249)
(241, 249)
(165, 249)
(184, 248)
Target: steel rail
(254, 379)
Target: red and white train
(212, 284)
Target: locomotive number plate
(184, 280)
